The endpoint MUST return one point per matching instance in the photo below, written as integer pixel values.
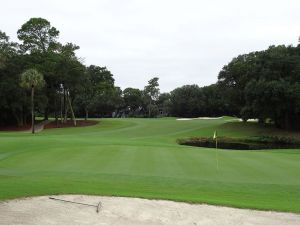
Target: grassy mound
(140, 157)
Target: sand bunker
(201, 118)
(250, 120)
(184, 119)
(131, 211)
(208, 118)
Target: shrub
(252, 143)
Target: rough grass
(140, 157)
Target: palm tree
(32, 79)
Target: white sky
(180, 41)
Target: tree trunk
(287, 122)
(46, 114)
(149, 109)
(71, 109)
(55, 110)
(21, 117)
(18, 117)
(261, 121)
(86, 113)
(32, 109)
(61, 109)
(25, 116)
(65, 107)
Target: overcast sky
(180, 41)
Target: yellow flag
(215, 135)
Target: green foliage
(133, 99)
(193, 101)
(7, 49)
(31, 78)
(265, 85)
(89, 88)
(164, 104)
(37, 34)
(98, 95)
(152, 90)
(186, 101)
(13, 101)
(151, 94)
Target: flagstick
(217, 153)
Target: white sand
(250, 120)
(201, 118)
(208, 118)
(131, 211)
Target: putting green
(140, 157)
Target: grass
(140, 158)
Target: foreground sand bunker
(131, 211)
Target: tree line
(39, 75)
(265, 85)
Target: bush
(252, 143)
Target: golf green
(140, 158)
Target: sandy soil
(15, 128)
(131, 211)
(39, 126)
(79, 123)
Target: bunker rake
(98, 207)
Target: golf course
(141, 158)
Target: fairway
(140, 158)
